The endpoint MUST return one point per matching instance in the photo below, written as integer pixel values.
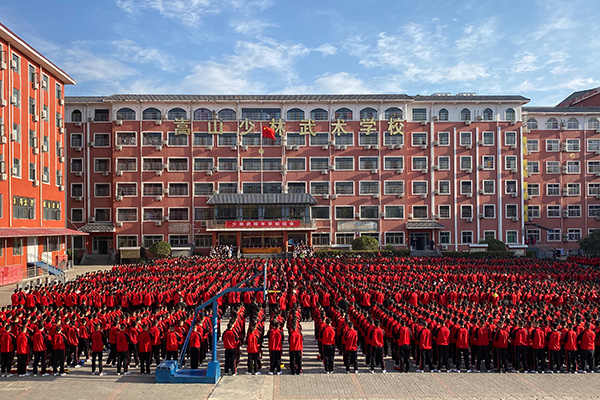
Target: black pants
(377, 358)
(275, 360)
(253, 362)
(21, 364)
(39, 357)
(112, 354)
(502, 358)
(156, 353)
(122, 361)
(462, 354)
(230, 360)
(538, 359)
(554, 358)
(426, 359)
(96, 355)
(351, 360)
(520, 357)
(571, 360)
(7, 361)
(133, 351)
(587, 357)
(172, 355)
(483, 355)
(84, 348)
(328, 355)
(71, 355)
(296, 362)
(443, 357)
(194, 357)
(404, 355)
(145, 359)
(59, 361)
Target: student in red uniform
(22, 352)
(462, 346)
(586, 341)
(275, 336)
(145, 349)
(97, 344)
(425, 345)
(296, 347)
(172, 343)
(350, 342)
(442, 341)
(538, 343)
(59, 343)
(156, 341)
(194, 345)
(404, 339)
(501, 347)
(519, 339)
(328, 340)
(7, 347)
(569, 342)
(554, 340)
(122, 339)
(253, 349)
(482, 343)
(39, 350)
(112, 341)
(230, 343)
(377, 338)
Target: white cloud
(250, 27)
(327, 49)
(84, 66)
(466, 72)
(188, 12)
(337, 83)
(215, 78)
(526, 62)
(477, 36)
(133, 52)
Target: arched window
(443, 115)
(202, 114)
(368, 112)
(488, 114)
(465, 114)
(227, 114)
(511, 115)
(572, 123)
(151, 114)
(552, 123)
(176, 113)
(76, 116)
(295, 114)
(593, 123)
(318, 114)
(532, 123)
(393, 112)
(126, 114)
(343, 113)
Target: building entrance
(420, 241)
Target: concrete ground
(313, 384)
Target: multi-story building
(32, 160)
(413, 171)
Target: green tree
(494, 245)
(365, 243)
(161, 249)
(591, 243)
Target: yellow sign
(395, 126)
(245, 126)
(307, 127)
(278, 126)
(367, 125)
(215, 127)
(339, 127)
(182, 126)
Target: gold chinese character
(307, 127)
(396, 126)
(338, 127)
(245, 126)
(367, 125)
(215, 127)
(182, 126)
(278, 126)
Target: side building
(413, 171)
(32, 161)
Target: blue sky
(543, 50)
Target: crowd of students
(439, 314)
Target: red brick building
(32, 160)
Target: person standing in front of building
(122, 339)
(425, 345)
(39, 350)
(22, 352)
(328, 341)
(145, 349)
(275, 336)
(350, 342)
(59, 343)
(296, 348)
(377, 339)
(97, 345)
(230, 343)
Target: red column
(309, 239)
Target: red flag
(268, 132)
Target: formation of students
(443, 314)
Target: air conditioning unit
(514, 194)
(203, 224)
(400, 195)
(597, 173)
(376, 196)
(333, 196)
(325, 197)
(14, 136)
(480, 118)
(356, 215)
(158, 223)
(374, 171)
(14, 100)
(36, 118)
(158, 122)
(119, 173)
(3, 103)
(480, 215)
(563, 146)
(423, 195)
(435, 216)
(565, 192)
(118, 147)
(165, 166)
(325, 147)
(344, 147)
(515, 219)
(338, 147)
(244, 148)
(469, 146)
(295, 148)
(480, 191)
(165, 190)
(119, 122)
(468, 171)
(78, 198)
(288, 148)
(158, 173)
(423, 123)
(467, 122)
(564, 169)
(3, 177)
(424, 171)
(435, 118)
(480, 167)
(435, 167)
(3, 139)
(423, 147)
(368, 147)
(469, 219)
(36, 151)
(158, 148)
(209, 148)
(36, 182)
(61, 102)
(209, 172)
(233, 148)
(61, 160)
(480, 143)
(436, 192)
(513, 170)
(331, 142)
(375, 147)
(119, 197)
(238, 168)
(80, 173)
(164, 142)
(444, 247)
(435, 143)
(119, 224)
(566, 213)
(92, 219)
(513, 146)
(104, 173)
(324, 172)
(78, 148)
(468, 195)
(400, 170)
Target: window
(511, 211)
(153, 214)
(76, 140)
(126, 138)
(444, 138)
(103, 139)
(443, 115)
(227, 115)
(572, 123)
(261, 114)
(466, 237)
(573, 189)
(344, 188)
(76, 214)
(203, 164)
(102, 214)
(203, 213)
(419, 114)
(552, 123)
(573, 234)
(319, 188)
(149, 240)
(177, 140)
(17, 248)
(593, 189)
(533, 211)
(298, 187)
(227, 139)
(343, 163)
(296, 139)
(465, 139)
(179, 214)
(320, 239)
(533, 189)
(489, 186)
(510, 139)
(394, 212)
(393, 163)
(368, 163)
(489, 211)
(444, 187)
(553, 167)
(488, 162)
(369, 212)
(126, 164)
(126, 114)
(178, 189)
(227, 164)
(46, 174)
(16, 168)
(444, 237)
(593, 145)
(151, 114)
(318, 114)
(151, 189)
(178, 164)
(176, 113)
(573, 145)
(344, 212)
(295, 114)
(443, 163)
(31, 106)
(203, 139)
(552, 145)
(16, 98)
(368, 113)
(368, 140)
(553, 189)
(574, 210)
(465, 114)
(368, 187)
(319, 163)
(466, 187)
(532, 123)
(393, 188)
(419, 187)
(488, 138)
(394, 238)
(127, 189)
(102, 190)
(272, 187)
(553, 235)
(271, 164)
(320, 212)
(344, 139)
(76, 189)
(251, 164)
(512, 237)
(152, 164)
(510, 114)
(466, 211)
(510, 162)
(251, 139)
(227, 187)
(31, 171)
(251, 187)
(573, 167)
(419, 163)
(444, 211)
(23, 207)
(152, 138)
(419, 139)
(127, 215)
(488, 114)
(393, 112)
(203, 241)
(17, 63)
(533, 235)
(553, 211)
(127, 241)
(466, 163)
(203, 189)
(594, 210)
(202, 114)
(320, 139)
(510, 186)
(533, 145)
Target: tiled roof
(469, 98)
(561, 110)
(98, 227)
(84, 99)
(267, 198)
(32, 232)
(573, 96)
(423, 224)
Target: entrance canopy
(31, 232)
(423, 224)
(98, 227)
(266, 198)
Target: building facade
(32, 160)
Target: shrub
(161, 249)
(365, 243)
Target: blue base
(166, 373)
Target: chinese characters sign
(262, 224)
(182, 126)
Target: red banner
(262, 224)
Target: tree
(591, 243)
(161, 249)
(365, 243)
(494, 244)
